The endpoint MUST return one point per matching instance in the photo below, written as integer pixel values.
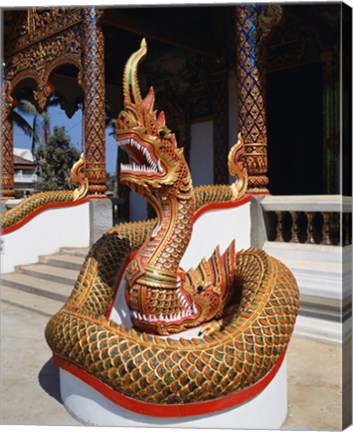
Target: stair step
(50, 273)
(34, 285)
(72, 262)
(78, 252)
(25, 300)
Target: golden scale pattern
(30, 204)
(254, 335)
(34, 202)
(169, 371)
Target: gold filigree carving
(238, 169)
(78, 175)
(271, 16)
(41, 23)
(40, 55)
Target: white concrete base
(324, 277)
(267, 410)
(44, 234)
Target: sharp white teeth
(151, 167)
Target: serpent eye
(200, 288)
(162, 133)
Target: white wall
(201, 153)
(218, 227)
(45, 234)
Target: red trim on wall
(42, 209)
(220, 206)
(176, 410)
(198, 213)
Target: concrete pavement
(30, 392)
(29, 380)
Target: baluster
(326, 239)
(279, 228)
(310, 228)
(337, 227)
(345, 233)
(295, 229)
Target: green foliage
(110, 182)
(55, 160)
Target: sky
(73, 128)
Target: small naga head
(211, 284)
(156, 164)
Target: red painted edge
(220, 206)
(42, 209)
(198, 213)
(173, 410)
(176, 410)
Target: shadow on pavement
(49, 379)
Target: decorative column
(7, 164)
(94, 100)
(253, 24)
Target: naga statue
(243, 305)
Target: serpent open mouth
(141, 157)
(186, 310)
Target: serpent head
(210, 285)
(155, 162)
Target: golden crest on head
(155, 162)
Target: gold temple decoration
(78, 176)
(253, 24)
(241, 339)
(41, 40)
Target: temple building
(277, 74)
(25, 175)
(199, 66)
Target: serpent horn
(130, 82)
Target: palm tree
(39, 129)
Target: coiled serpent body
(153, 369)
(32, 203)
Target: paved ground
(29, 380)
